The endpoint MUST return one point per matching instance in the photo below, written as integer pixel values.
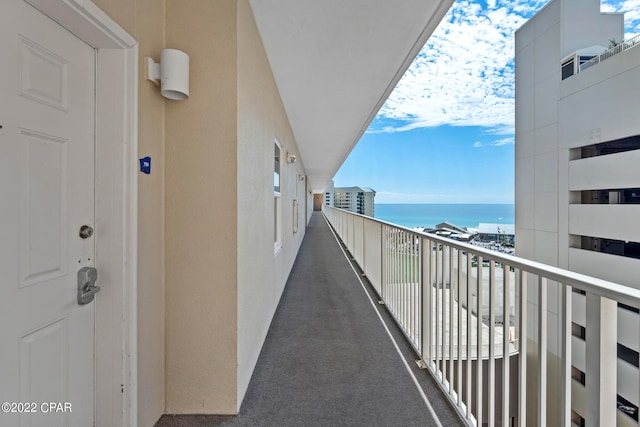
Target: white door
(47, 108)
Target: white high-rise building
(354, 199)
(577, 179)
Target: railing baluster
(410, 279)
(506, 329)
(420, 290)
(451, 324)
(415, 241)
(459, 331)
(437, 312)
(479, 342)
(391, 266)
(443, 307)
(411, 302)
(405, 281)
(601, 378)
(401, 282)
(400, 299)
(522, 347)
(427, 311)
(409, 292)
(565, 326)
(401, 278)
(383, 260)
(398, 280)
(491, 363)
(408, 287)
(451, 328)
(363, 247)
(387, 264)
(542, 351)
(469, 394)
(396, 256)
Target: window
(628, 355)
(578, 331)
(623, 196)
(627, 408)
(577, 375)
(576, 419)
(609, 246)
(609, 147)
(277, 200)
(568, 68)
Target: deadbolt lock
(87, 289)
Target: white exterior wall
(552, 117)
(613, 83)
(369, 203)
(538, 55)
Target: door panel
(47, 149)
(43, 207)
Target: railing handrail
(446, 300)
(605, 288)
(620, 47)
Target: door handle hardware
(87, 289)
(85, 232)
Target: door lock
(87, 289)
(85, 232)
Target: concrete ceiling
(335, 63)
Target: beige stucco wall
(208, 279)
(144, 20)
(261, 273)
(201, 212)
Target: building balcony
(612, 51)
(333, 356)
(486, 341)
(379, 325)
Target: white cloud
(496, 143)
(631, 9)
(464, 75)
(504, 141)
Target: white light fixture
(291, 158)
(171, 74)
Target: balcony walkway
(328, 360)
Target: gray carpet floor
(327, 359)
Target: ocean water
(428, 215)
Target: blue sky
(445, 135)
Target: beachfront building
(360, 200)
(577, 186)
(498, 233)
(329, 194)
(452, 231)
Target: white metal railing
(465, 311)
(619, 47)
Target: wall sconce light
(171, 74)
(291, 158)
